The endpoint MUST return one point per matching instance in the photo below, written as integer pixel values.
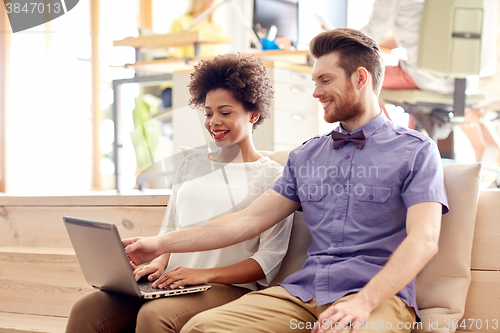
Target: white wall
(165, 12)
(49, 134)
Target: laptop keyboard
(147, 286)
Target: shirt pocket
(371, 204)
(313, 203)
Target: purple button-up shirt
(355, 203)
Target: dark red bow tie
(340, 139)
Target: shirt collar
(369, 128)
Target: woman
(236, 95)
(207, 26)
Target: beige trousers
(109, 312)
(274, 310)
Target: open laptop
(105, 265)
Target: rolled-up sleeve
(273, 245)
(286, 185)
(425, 177)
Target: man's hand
(140, 250)
(341, 315)
(182, 276)
(423, 222)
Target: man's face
(335, 91)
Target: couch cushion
(280, 156)
(442, 286)
(300, 240)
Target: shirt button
(339, 217)
(347, 157)
(371, 197)
(323, 266)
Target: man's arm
(423, 224)
(267, 210)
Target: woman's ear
(254, 118)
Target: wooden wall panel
(42, 282)
(39, 272)
(39, 298)
(102, 198)
(43, 226)
(52, 266)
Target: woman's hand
(154, 269)
(182, 276)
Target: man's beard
(346, 109)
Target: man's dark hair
(244, 76)
(355, 49)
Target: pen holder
(268, 44)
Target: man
(402, 18)
(372, 194)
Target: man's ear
(361, 77)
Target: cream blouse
(203, 190)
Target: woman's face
(226, 119)
(205, 4)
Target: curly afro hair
(244, 76)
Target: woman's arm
(273, 246)
(155, 268)
(243, 272)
